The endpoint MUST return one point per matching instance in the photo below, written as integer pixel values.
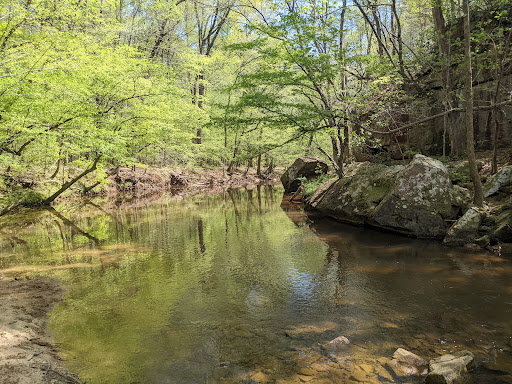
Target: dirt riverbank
(26, 352)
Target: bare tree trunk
(478, 197)
(200, 100)
(159, 39)
(70, 183)
(444, 43)
(54, 174)
(399, 38)
(346, 131)
(310, 142)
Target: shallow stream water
(239, 287)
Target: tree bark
(478, 197)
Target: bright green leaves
(67, 99)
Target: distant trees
(71, 104)
(89, 86)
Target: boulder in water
(449, 369)
(421, 201)
(308, 167)
(465, 229)
(405, 363)
(417, 199)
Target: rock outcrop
(308, 167)
(449, 369)
(465, 230)
(502, 230)
(417, 199)
(499, 182)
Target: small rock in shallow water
(259, 378)
(335, 344)
(449, 368)
(405, 363)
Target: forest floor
(148, 180)
(26, 352)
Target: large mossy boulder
(308, 167)
(417, 199)
(354, 198)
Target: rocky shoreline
(419, 199)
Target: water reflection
(241, 285)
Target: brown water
(236, 286)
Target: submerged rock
(405, 363)
(465, 230)
(259, 378)
(448, 369)
(307, 167)
(336, 344)
(498, 181)
(416, 199)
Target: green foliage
(132, 82)
(312, 184)
(28, 196)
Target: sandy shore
(26, 353)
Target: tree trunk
(478, 197)
(159, 39)
(70, 183)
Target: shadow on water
(240, 286)
(417, 295)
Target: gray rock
(503, 229)
(421, 201)
(464, 230)
(416, 199)
(405, 363)
(496, 182)
(355, 197)
(308, 167)
(448, 369)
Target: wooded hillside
(88, 87)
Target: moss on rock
(416, 199)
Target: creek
(239, 286)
